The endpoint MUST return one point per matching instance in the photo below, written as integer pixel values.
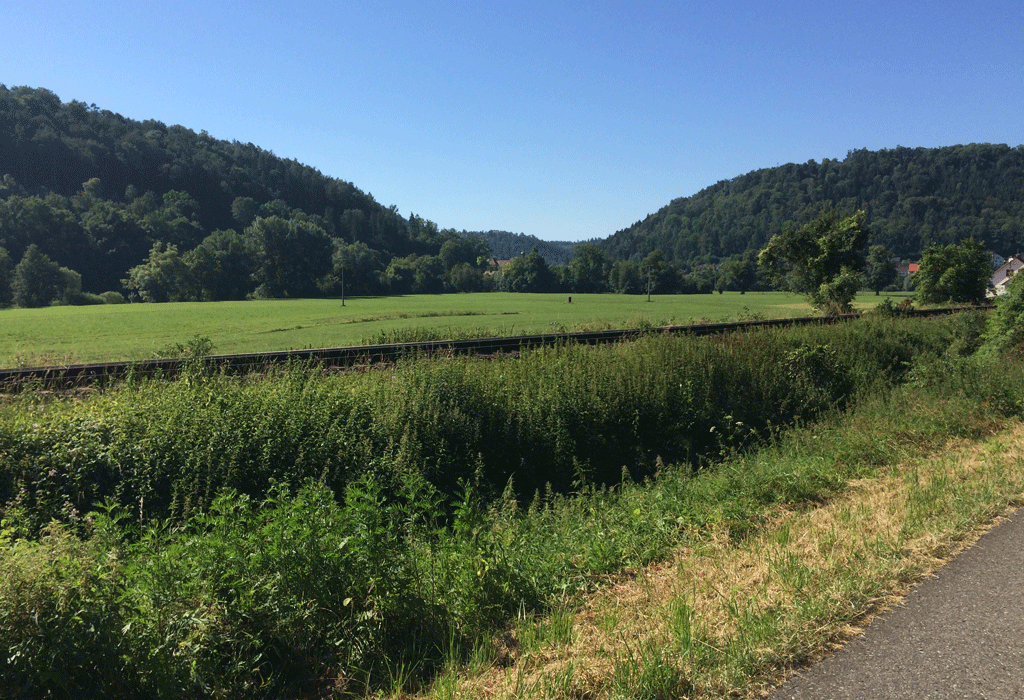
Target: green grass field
(67, 335)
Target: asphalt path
(959, 634)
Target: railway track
(79, 375)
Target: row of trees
(841, 249)
(277, 257)
(824, 259)
(281, 258)
(294, 257)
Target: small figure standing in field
(570, 300)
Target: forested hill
(47, 145)
(93, 202)
(94, 191)
(913, 197)
(505, 246)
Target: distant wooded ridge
(92, 202)
(912, 198)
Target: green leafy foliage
(823, 259)
(556, 416)
(740, 275)
(370, 585)
(914, 198)
(528, 273)
(163, 277)
(38, 281)
(61, 615)
(222, 266)
(589, 269)
(293, 255)
(880, 273)
(1005, 331)
(954, 273)
(6, 275)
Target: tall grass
(419, 519)
(557, 417)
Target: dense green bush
(1005, 333)
(61, 617)
(376, 582)
(562, 416)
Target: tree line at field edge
(97, 208)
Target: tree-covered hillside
(50, 146)
(164, 213)
(913, 198)
(95, 206)
(505, 246)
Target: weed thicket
(430, 504)
(557, 417)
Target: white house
(1004, 272)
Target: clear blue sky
(564, 120)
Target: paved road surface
(957, 635)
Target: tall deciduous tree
(588, 271)
(954, 273)
(399, 275)
(121, 242)
(465, 278)
(528, 273)
(293, 256)
(163, 277)
(359, 266)
(739, 275)
(658, 275)
(822, 259)
(222, 266)
(880, 271)
(38, 281)
(430, 275)
(624, 278)
(6, 276)
(460, 248)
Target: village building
(1004, 273)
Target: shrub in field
(563, 416)
(167, 448)
(371, 587)
(60, 617)
(286, 597)
(1005, 332)
(281, 594)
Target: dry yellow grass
(735, 619)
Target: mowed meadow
(62, 335)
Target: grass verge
(731, 618)
(391, 584)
